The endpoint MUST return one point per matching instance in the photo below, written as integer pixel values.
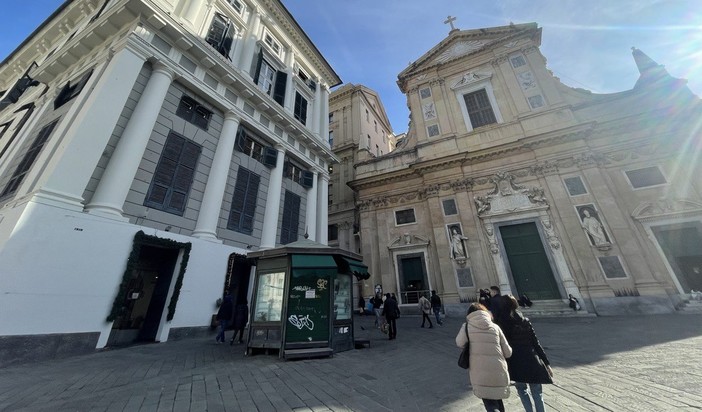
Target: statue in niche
(458, 247)
(593, 227)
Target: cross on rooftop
(450, 20)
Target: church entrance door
(683, 249)
(413, 277)
(528, 263)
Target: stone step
(691, 307)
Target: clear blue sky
(587, 43)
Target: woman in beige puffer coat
(488, 351)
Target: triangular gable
(465, 42)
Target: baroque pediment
(507, 196)
(459, 49)
(666, 208)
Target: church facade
(508, 177)
(145, 148)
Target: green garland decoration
(141, 239)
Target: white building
(145, 147)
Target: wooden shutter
(291, 218)
(243, 209)
(28, 159)
(281, 79)
(257, 70)
(479, 109)
(174, 174)
(217, 30)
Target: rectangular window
(575, 186)
(479, 109)
(331, 117)
(331, 138)
(174, 174)
(517, 61)
(433, 130)
(272, 43)
(31, 152)
(236, 5)
(291, 218)
(221, 34)
(271, 81)
(425, 93)
(645, 177)
(300, 110)
(193, 112)
(450, 207)
(333, 232)
(243, 211)
(69, 91)
(403, 217)
(292, 172)
(247, 145)
(29, 109)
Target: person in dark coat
(390, 311)
(241, 317)
(528, 364)
(498, 305)
(224, 316)
(436, 306)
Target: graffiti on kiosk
(322, 284)
(300, 321)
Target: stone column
(289, 86)
(247, 55)
(118, 176)
(311, 218)
(88, 128)
(208, 217)
(191, 12)
(557, 253)
(316, 109)
(324, 116)
(272, 211)
(323, 209)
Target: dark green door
(683, 249)
(530, 268)
(412, 278)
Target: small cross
(450, 20)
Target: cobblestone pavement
(645, 363)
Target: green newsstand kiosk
(302, 303)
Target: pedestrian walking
(498, 305)
(241, 318)
(377, 303)
(425, 308)
(436, 307)
(224, 316)
(528, 364)
(361, 305)
(391, 312)
(488, 352)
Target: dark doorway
(147, 291)
(238, 277)
(413, 278)
(682, 247)
(528, 263)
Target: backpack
(426, 305)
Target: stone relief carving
(494, 249)
(429, 111)
(550, 233)
(459, 49)
(508, 196)
(665, 207)
(471, 77)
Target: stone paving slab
(644, 363)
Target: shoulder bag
(464, 359)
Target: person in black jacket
(224, 316)
(436, 306)
(391, 311)
(528, 364)
(241, 317)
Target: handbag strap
(466, 330)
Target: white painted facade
(163, 76)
